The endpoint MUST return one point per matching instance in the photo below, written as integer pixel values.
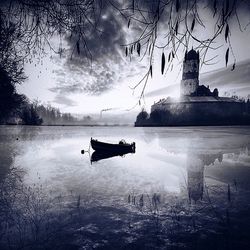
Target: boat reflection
(101, 155)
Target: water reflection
(11, 141)
(184, 187)
(101, 155)
(195, 177)
(195, 173)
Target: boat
(101, 155)
(121, 147)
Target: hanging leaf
(158, 11)
(233, 67)
(192, 26)
(169, 57)
(131, 50)
(177, 5)
(138, 48)
(176, 28)
(78, 47)
(215, 7)
(223, 15)
(227, 7)
(126, 51)
(129, 23)
(140, 102)
(149, 50)
(151, 71)
(226, 32)
(173, 54)
(162, 63)
(226, 56)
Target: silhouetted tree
(29, 116)
(142, 116)
(51, 115)
(10, 101)
(11, 70)
(215, 92)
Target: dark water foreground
(184, 188)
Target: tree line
(24, 112)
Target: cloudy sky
(75, 85)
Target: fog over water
(180, 169)
(51, 156)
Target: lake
(183, 188)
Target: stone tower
(190, 76)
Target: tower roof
(192, 55)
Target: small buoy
(82, 151)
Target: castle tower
(190, 76)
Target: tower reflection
(195, 173)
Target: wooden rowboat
(121, 147)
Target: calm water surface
(183, 188)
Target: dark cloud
(100, 40)
(62, 99)
(109, 66)
(104, 42)
(67, 89)
(85, 80)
